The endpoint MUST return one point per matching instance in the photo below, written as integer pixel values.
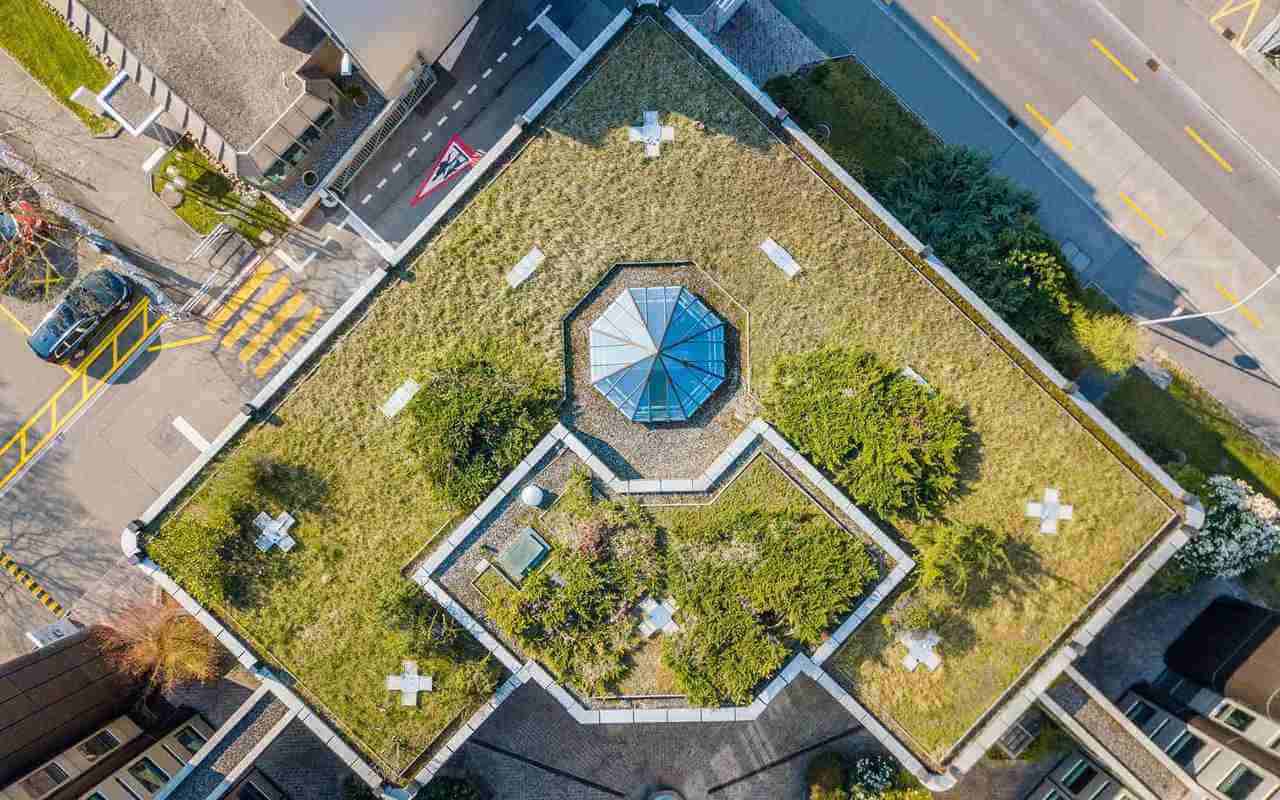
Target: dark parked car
(62, 334)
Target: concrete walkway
(101, 177)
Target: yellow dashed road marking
(30, 584)
(1245, 311)
(1057, 134)
(1135, 208)
(265, 333)
(955, 37)
(251, 316)
(1222, 162)
(1102, 48)
(242, 294)
(290, 339)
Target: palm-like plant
(162, 645)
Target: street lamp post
(1232, 307)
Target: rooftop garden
(754, 574)
(56, 56)
(588, 198)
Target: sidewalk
(955, 113)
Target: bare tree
(162, 645)
(36, 243)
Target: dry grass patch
(587, 197)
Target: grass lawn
(54, 55)
(870, 130)
(1188, 419)
(588, 198)
(210, 198)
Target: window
(98, 745)
(190, 739)
(1140, 713)
(1240, 783)
(44, 780)
(1079, 777)
(1184, 749)
(96, 796)
(145, 772)
(1234, 717)
(128, 789)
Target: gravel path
(231, 750)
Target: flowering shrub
(871, 776)
(1241, 531)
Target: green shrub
(870, 776)
(953, 556)
(808, 574)
(450, 789)
(481, 409)
(722, 651)
(1105, 340)
(1191, 478)
(827, 776)
(891, 443)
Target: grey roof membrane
(657, 353)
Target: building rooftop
(217, 57)
(52, 698)
(1233, 647)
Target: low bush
(891, 443)
(870, 776)
(579, 624)
(751, 584)
(1241, 531)
(1107, 341)
(207, 553)
(953, 557)
(827, 776)
(723, 651)
(482, 407)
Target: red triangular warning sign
(453, 160)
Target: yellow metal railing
(61, 407)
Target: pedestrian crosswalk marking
(265, 333)
(251, 316)
(242, 294)
(286, 343)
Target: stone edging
(757, 431)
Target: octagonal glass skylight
(657, 353)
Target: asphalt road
(1171, 208)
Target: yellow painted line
(265, 333)
(242, 294)
(955, 37)
(1222, 162)
(1102, 48)
(25, 330)
(251, 316)
(29, 440)
(1057, 134)
(1244, 310)
(156, 348)
(1135, 208)
(29, 583)
(286, 344)
(1231, 7)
